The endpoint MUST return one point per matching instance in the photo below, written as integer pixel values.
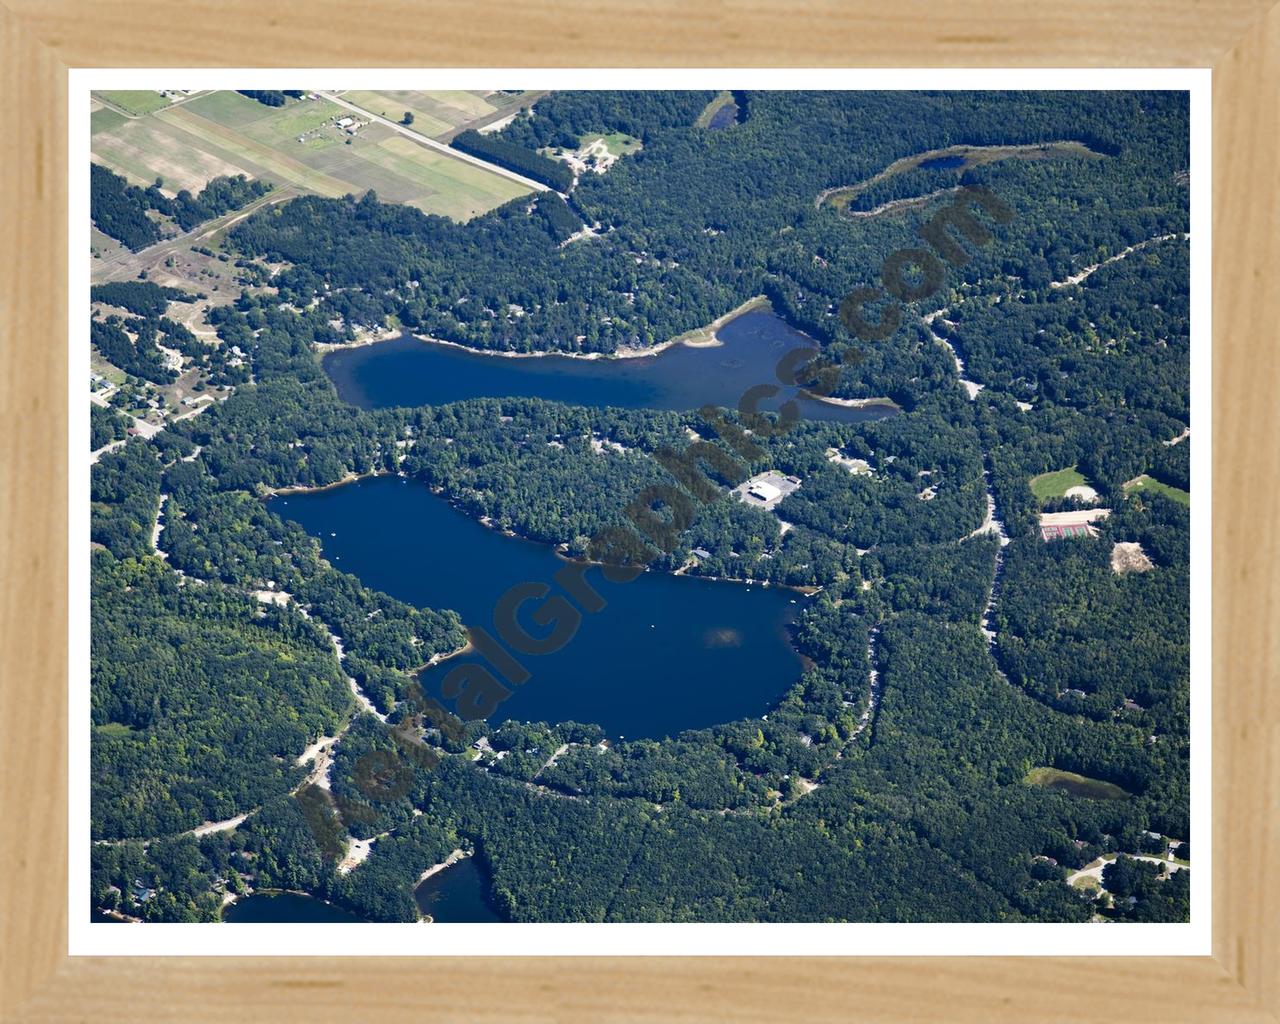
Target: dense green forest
(561, 119)
(142, 298)
(272, 97)
(105, 425)
(890, 782)
(121, 210)
(515, 158)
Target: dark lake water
(725, 117)
(457, 895)
(406, 371)
(942, 163)
(667, 653)
(285, 907)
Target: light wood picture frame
(41, 39)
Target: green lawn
(111, 372)
(1147, 483)
(137, 102)
(1057, 483)
(618, 143)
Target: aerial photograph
(639, 506)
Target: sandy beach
(449, 861)
(362, 338)
(855, 403)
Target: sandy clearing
(435, 869)
(158, 527)
(1128, 556)
(858, 467)
(114, 446)
(357, 853)
(210, 827)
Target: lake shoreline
(362, 340)
(559, 548)
(698, 337)
(472, 576)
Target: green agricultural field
(438, 114)
(452, 188)
(230, 108)
(1148, 483)
(139, 102)
(393, 105)
(146, 148)
(1057, 483)
(105, 119)
(299, 144)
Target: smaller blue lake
(666, 653)
(725, 117)
(286, 908)
(457, 895)
(407, 371)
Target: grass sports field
(1057, 483)
(1147, 483)
(222, 133)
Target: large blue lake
(407, 371)
(666, 653)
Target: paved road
(430, 143)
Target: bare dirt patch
(1128, 556)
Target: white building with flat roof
(764, 491)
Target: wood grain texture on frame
(39, 39)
